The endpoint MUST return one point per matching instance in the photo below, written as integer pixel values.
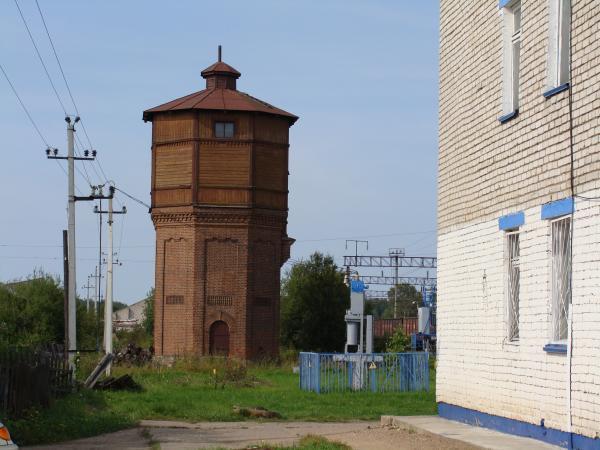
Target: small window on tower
(224, 129)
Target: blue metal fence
(375, 372)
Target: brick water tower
(219, 207)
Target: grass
(191, 393)
(307, 443)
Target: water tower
(219, 208)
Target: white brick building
(519, 217)
(130, 316)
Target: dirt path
(237, 435)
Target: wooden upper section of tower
(219, 147)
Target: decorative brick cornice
(220, 217)
(173, 218)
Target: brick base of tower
(217, 281)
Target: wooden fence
(387, 327)
(31, 378)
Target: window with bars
(224, 129)
(561, 276)
(512, 56)
(512, 254)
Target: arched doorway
(219, 338)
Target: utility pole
(88, 300)
(71, 285)
(66, 291)
(356, 242)
(108, 303)
(395, 253)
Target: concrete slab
(481, 437)
(166, 435)
(236, 435)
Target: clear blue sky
(361, 75)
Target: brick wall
(477, 367)
(223, 267)
(487, 169)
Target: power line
(101, 169)
(25, 108)
(366, 237)
(133, 198)
(40, 58)
(57, 258)
(37, 129)
(55, 55)
(60, 246)
(70, 92)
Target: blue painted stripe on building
(517, 427)
(503, 3)
(550, 92)
(511, 221)
(557, 208)
(556, 348)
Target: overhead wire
(37, 129)
(37, 51)
(79, 149)
(137, 200)
(366, 237)
(33, 123)
(41, 59)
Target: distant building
(131, 316)
(219, 207)
(519, 218)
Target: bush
(137, 336)
(398, 342)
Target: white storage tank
(352, 333)
(425, 320)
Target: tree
(409, 300)
(32, 313)
(314, 300)
(148, 323)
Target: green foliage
(409, 300)
(32, 314)
(148, 323)
(137, 336)
(31, 311)
(85, 413)
(398, 342)
(165, 390)
(314, 300)
(318, 443)
(306, 443)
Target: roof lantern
(220, 75)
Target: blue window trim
(558, 208)
(560, 349)
(511, 221)
(503, 3)
(506, 117)
(550, 92)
